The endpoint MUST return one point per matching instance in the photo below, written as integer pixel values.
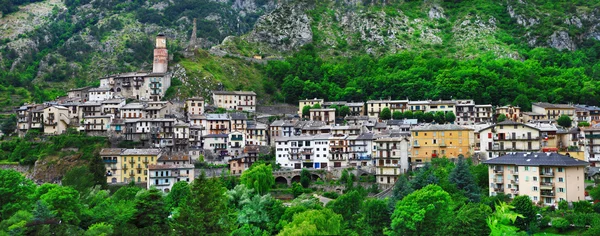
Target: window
(561, 179)
(526, 178)
(535, 179)
(535, 188)
(416, 133)
(526, 168)
(560, 169)
(535, 198)
(561, 190)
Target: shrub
(560, 224)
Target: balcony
(499, 181)
(547, 193)
(499, 190)
(514, 191)
(514, 172)
(499, 172)
(339, 158)
(547, 174)
(145, 161)
(110, 161)
(515, 181)
(113, 167)
(546, 185)
(307, 152)
(131, 174)
(416, 145)
(139, 166)
(50, 123)
(522, 138)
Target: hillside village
(385, 138)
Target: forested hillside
(495, 52)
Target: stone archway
(281, 180)
(315, 177)
(296, 179)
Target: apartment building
(280, 128)
(356, 108)
(511, 112)
(100, 94)
(82, 94)
(533, 117)
(112, 107)
(444, 106)
(90, 109)
(391, 157)
(553, 111)
(483, 114)
(97, 125)
(170, 169)
(465, 110)
(56, 120)
(591, 114)
(338, 150)
(194, 106)
(112, 161)
(256, 133)
(509, 136)
(238, 122)
(543, 177)
(238, 165)
(135, 164)
(374, 107)
(592, 144)
(217, 144)
(218, 123)
(235, 100)
(360, 149)
(326, 115)
(432, 141)
(133, 111)
(308, 102)
(304, 151)
(418, 106)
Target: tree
(423, 212)
(374, 217)
(502, 220)
(205, 212)
(401, 189)
(440, 117)
(316, 106)
(501, 118)
(408, 114)
(583, 124)
(64, 204)
(450, 117)
(259, 177)
(305, 178)
(564, 121)
(561, 224)
(151, 211)
(306, 111)
(385, 114)
(262, 212)
(419, 116)
(179, 193)
(15, 190)
(523, 206)
(99, 229)
(348, 206)
(462, 178)
(428, 117)
(314, 222)
(79, 178)
(424, 177)
(471, 220)
(344, 111)
(9, 125)
(397, 115)
(523, 102)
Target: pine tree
(465, 181)
(401, 188)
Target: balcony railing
(547, 193)
(547, 174)
(499, 172)
(514, 191)
(514, 181)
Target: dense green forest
(421, 204)
(545, 75)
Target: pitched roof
(536, 159)
(553, 106)
(440, 127)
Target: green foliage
(314, 222)
(79, 178)
(470, 220)
(9, 125)
(401, 188)
(374, 217)
(205, 211)
(561, 224)
(450, 117)
(428, 117)
(583, 124)
(348, 206)
(305, 178)
(385, 114)
(524, 206)
(178, 194)
(439, 117)
(64, 204)
(408, 114)
(316, 106)
(502, 220)
(501, 118)
(99, 229)
(423, 212)
(462, 178)
(564, 121)
(397, 115)
(259, 177)
(306, 111)
(582, 206)
(14, 189)
(343, 111)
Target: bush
(561, 224)
(332, 195)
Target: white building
(508, 136)
(100, 94)
(305, 151)
(235, 100)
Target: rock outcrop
(561, 40)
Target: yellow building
(433, 141)
(135, 164)
(553, 111)
(111, 158)
(308, 102)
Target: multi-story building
(112, 107)
(418, 106)
(194, 106)
(543, 177)
(133, 111)
(158, 109)
(238, 165)
(163, 177)
(237, 142)
(308, 102)
(100, 94)
(356, 108)
(587, 113)
(256, 133)
(326, 115)
(304, 151)
(97, 125)
(483, 113)
(235, 100)
(90, 109)
(79, 93)
(360, 149)
(391, 157)
(338, 150)
(511, 112)
(465, 111)
(238, 122)
(56, 120)
(280, 128)
(111, 158)
(553, 111)
(374, 107)
(444, 106)
(533, 116)
(509, 136)
(432, 141)
(135, 164)
(181, 138)
(218, 123)
(592, 144)
(216, 144)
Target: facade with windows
(433, 141)
(391, 158)
(297, 152)
(543, 177)
(508, 136)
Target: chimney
(161, 55)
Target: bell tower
(161, 55)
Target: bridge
(290, 176)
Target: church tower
(161, 55)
